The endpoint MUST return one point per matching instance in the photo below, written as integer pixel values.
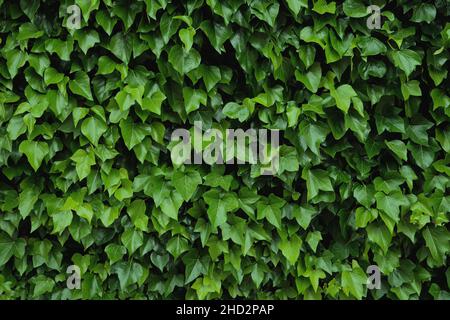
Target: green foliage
(87, 178)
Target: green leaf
(52, 76)
(183, 61)
(411, 88)
(86, 39)
(93, 129)
(422, 155)
(132, 240)
(322, 7)
(291, 248)
(168, 26)
(424, 12)
(219, 204)
(355, 8)
(106, 65)
(42, 285)
(296, 5)
(136, 211)
(399, 148)
(87, 6)
(153, 100)
(61, 220)
(177, 245)
(371, 46)
(6, 249)
(364, 194)
(115, 252)
(353, 281)
(407, 60)
(84, 161)
(63, 48)
(313, 239)
(316, 180)
(15, 59)
(437, 240)
(379, 234)
(236, 111)
(29, 31)
(311, 79)
(187, 37)
(271, 210)
(363, 217)
(132, 133)
(35, 151)
(304, 215)
(391, 203)
(343, 96)
(186, 183)
(120, 46)
(109, 215)
(81, 86)
(193, 98)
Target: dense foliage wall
(87, 177)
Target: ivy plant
(91, 91)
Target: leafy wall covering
(87, 177)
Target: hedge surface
(87, 176)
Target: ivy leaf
(171, 204)
(115, 252)
(187, 37)
(270, 209)
(86, 39)
(61, 220)
(29, 31)
(177, 245)
(437, 240)
(84, 161)
(93, 129)
(353, 281)
(218, 206)
(311, 79)
(391, 203)
(316, 180)
(407, 60)
(313, 239)
(87, 6)
(399, 148)
(343, 96)
(236, 111)
(128, 273)
(193, 98)
(380, 235)
(186, 183)
(322, 7)
(109, 215)
(52, 76)
(132, 134)
(120, 46)
(296, 5)
(6, 249)
(136, 211)
(81, 86)
(355, 8)
(35, 151)
(15, 59)
(424, 12)
(291, 248)
(195, 266)
(132, 240)
(183, 61)
(42, 285)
